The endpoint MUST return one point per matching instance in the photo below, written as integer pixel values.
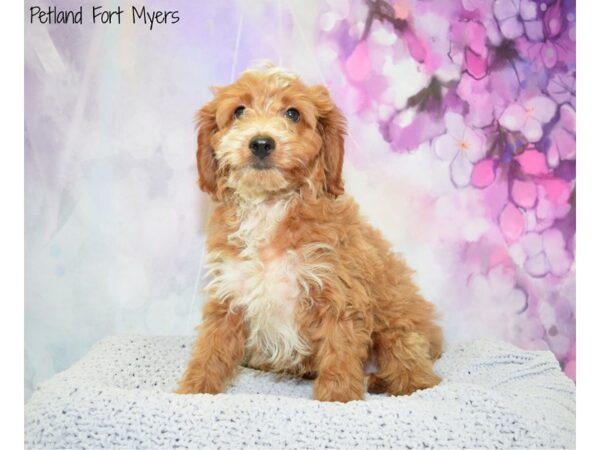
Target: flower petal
(513, 118)
(532, 244)
(460, 170)
(537, 266)
(532, 130)
(561, 87)
(524, 193)
(516, 300)
(567, 118)
(475, 145)
(534, 30)
(511, 28)
(455, 124)
(475, 34)
(542, 108)
(532, 162)
(553, 156)
(544, 211)
(503, 9)
(483, 173)
(564, 143)
(475, 64)
(528, 10)
(445, 147)
(512, 222)
(557, 191)
(549, 55)
(554, 247)
(553, 19)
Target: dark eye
(239, 112)
(293, 114)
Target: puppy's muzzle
(261, 146)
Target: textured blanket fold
(493, 395)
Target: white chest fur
(268, 291)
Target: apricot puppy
(301, 283)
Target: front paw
(198, 386)
(423, 381)
(416, 382)
(337, 390)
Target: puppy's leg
(217, 353)
(405, 360)
(341, 355)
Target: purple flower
(518, 16)
(547, 53)
(561, 87)
(562, 137)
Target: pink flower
(557, 190)
(462, 146)
(553, 202)
(529, 117)
(542, 196)
(532, 162)
(524, 193)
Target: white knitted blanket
(119, 396)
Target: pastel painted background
(461, 149)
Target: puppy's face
(268, 134)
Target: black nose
(262, 146)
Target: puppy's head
(267, 135)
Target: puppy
(300, 282)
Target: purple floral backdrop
(461, 149)
(491, 94)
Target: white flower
(529, 117)
(461, 145)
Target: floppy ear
(332, 127)
(205, 156)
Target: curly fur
(301, 283)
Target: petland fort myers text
(102, 15)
